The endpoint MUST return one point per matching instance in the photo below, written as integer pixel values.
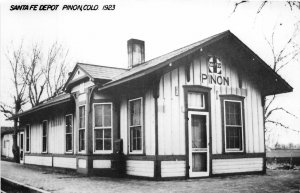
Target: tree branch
(278, 109)
(282, 125)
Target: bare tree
(46, 75)
(34, 81)
(35, 78)
(282, 57)
(16, 61)
(262, 4)
(55, 70)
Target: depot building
(193, 112)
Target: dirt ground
(273, 181)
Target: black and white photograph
(150, 96)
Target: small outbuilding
(194, 112)
(7, 142)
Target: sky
(100, 37)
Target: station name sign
(214, 75)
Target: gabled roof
(94, 72)
(154, 64)
(62, 98)
(164, 60)
(101, 72)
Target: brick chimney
(136, 52)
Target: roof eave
(38, 108)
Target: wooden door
(198, 144)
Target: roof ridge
(102, 66)
(189, 45)
(224, 32)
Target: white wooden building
(6, 142)
(194, 112)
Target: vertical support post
(264, 128)
(157, 163)
(89, 130)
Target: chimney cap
(135, 41)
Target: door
(198, 144)
(22, 147)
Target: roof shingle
(101, 72)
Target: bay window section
(81, 128)
(135, 125)
(103, 128)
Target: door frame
(207, 92)
(199, 174)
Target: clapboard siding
(237, 165)
(171, 130)
(82, 163)
(101, 163)
(38, 160)
(123, 124)
(63, 162)
(172, 168)
(140, 168)
(56, 134)
(149, 126)
(36, 138)
(149, 123)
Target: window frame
(82, 151)
(111, 127)
(47, 129)
(240, 100)
(72, 134)
(203, 98)
(141, 125)
(29, 138)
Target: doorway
(198, 129)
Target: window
(196, 100)
(103, 127)
(81, 128)
(135, 125)
(233, 123)
(69, 133)
(44, 137)
(21, 141)
(27, 131)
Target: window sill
(234, 151)
(102, 152)
(136, 153)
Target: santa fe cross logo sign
(214, 75)
(215, 65)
